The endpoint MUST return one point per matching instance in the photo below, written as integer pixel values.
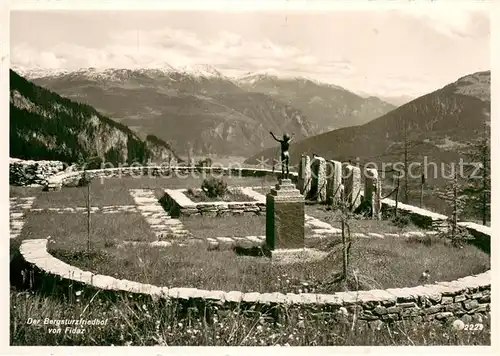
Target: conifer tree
(478, 175)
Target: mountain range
(328, 106)
(201, 110)
(438, 126)
(44, 125)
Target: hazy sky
(387, 53)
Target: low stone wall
(178, 204)
(481, 234)
(420, 217)
(431, 220)
(63, 179)
(444, 301)
(33, 173)
(71, 178)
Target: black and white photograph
(270, 176)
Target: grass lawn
(135, 323)
(226, 226)
(380, 264)
(115, 191)
(229, 226)
(15, 191)
(69, 230)
(357, 225)
(180, 182)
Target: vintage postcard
(234, 174)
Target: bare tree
(408, 154)
(346, 213)
(86, 180)
(422, 187)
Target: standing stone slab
(333, 181)
(285, 217)
(173, 162)
(304, 181)
(373, 193)
(352, 185)
(318, 182)
(170, 160)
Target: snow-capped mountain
(328, 106)
(243, 109)
(33, 73)
(190, 104)
(202, 70)
(271, 75)
(197, 71)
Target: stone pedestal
(285, 217)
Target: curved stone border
(440, 301)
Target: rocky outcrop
(46, 126)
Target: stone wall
(463, 298)
(70, 178)
(420, 217)
(481, 234)
(33, 173)
(178, 204)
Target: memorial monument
(284, 209)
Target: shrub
(401, 221)
(207, 162)
(426, 240)
(459, 238)
(214, 187)
(84, 181)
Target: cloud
(157, 47)
(452, 21)
(229, 52)
(348, 57)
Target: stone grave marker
(352, 185)
(318, 184)
(304, 181)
